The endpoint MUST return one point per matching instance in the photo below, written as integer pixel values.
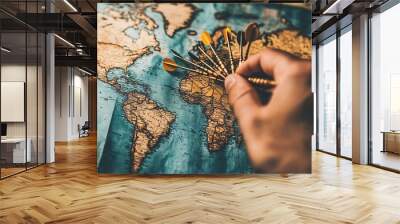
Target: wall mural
(159, 109)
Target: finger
(269, 61)
(243, 98)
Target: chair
(84, 130)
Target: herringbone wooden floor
(70, 191)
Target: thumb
(243, 98)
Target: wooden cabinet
(391, 142)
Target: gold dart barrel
(262, 82)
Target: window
(385, 89)
(346, 92)
(327, 96)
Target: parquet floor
(70, 191)
(10, 171)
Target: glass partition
(327, 96)
(13, 105)
(23, 90)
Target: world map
(153, 122)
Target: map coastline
(183, 26)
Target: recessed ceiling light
(64, 40)
(337, 7)
(5, 50)
(84, 71)
(70, 5)
(333, 6)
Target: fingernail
(229, 81)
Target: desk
(391, 141)
(13, 150)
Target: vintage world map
(152, 122)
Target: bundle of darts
(216, 61)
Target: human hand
(277, 135)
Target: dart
(258, 82)
(170, 65)
(206, 39)
(189, 62)
(195, 58)
(227, 32)
(261, 81)
(241, 41)
(216, 79)
(211, 65)
(209, 58)
(252, 33)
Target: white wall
(81, 108)
(61, 103)
(71, 102)
(12, 101)
(16, 73)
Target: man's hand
(277, 135)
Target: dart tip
(227, 31)
(205, 38)
(252, 32)
(169, 65)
